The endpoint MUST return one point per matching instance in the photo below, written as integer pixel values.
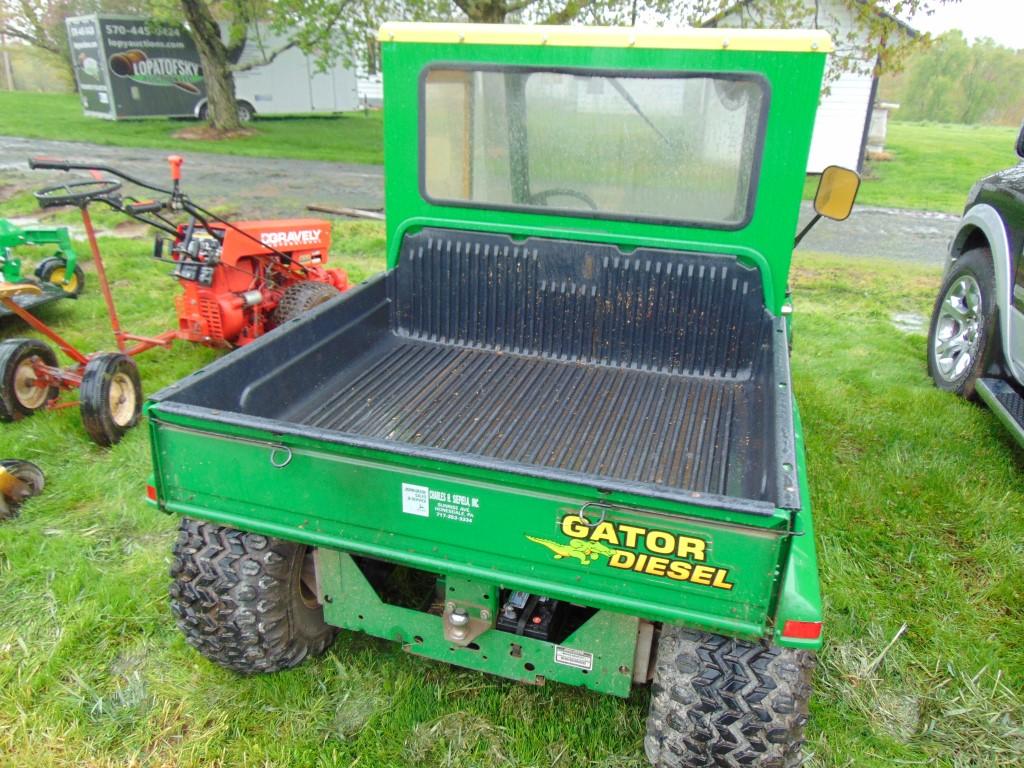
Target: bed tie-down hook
(276, 451)
(582, 514)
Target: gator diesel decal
(636, 548)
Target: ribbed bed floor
(631, 425)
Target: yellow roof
(609, 37)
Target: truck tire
(963, 337)
(242, 601)
(111, 397)
(299, 298)
(717, 701)
(19, 397)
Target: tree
(40, 23)
(952, 81)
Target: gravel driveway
(274, 187)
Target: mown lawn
(918, 496)
(933, 166)
(347, 138)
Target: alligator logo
(584, 551)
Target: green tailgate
(647, 558)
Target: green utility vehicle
(556, 440)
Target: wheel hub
(30, 391)
(121, 399)
(958, 329)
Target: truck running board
(1006, 403)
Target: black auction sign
(131, 67)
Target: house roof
(881, 12)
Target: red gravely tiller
(239, 280)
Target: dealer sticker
(416, 500)
(442, 504)
(571, 657)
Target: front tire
(244, 601)
(299, 298)
(717, 701)
(111, 397)
(963, 337)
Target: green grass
(933, 166)
(349, 138)
(918, 498)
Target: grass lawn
(918, 497)
(348, 138)
(933, 166)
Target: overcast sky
(1002, 20)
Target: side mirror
(837, 189)
(1020, 143)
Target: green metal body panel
(481, 530)
(598, 655)
(483, 525)
(767, 241)
(12, 236)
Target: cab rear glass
(681, 148)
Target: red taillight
(802, 630)
(151, 492)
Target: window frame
(755, 170)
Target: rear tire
(299, 298)
(111, 396)
(53, 270)
(19, 395)
(246, 601)
(717, 701)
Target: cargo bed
(656, 372)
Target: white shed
(844, 115)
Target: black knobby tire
(53, 270)
(241, 600)
(18, 396)
(111, 397)
(718, 701)
(299, 298)
(956, 366)
(34, 482)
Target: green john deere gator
(556, 440)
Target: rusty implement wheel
(23, 390)
(19, 480)
(111, 395)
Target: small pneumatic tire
(54, 269)
(718, 701)
(963, 336)
(246, 602)
(19, 395)
(299, 298)
(111, 397)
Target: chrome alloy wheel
(958, 329)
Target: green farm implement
(58, 276)
(562, 421)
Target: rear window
(677, 147)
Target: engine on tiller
(240, 281)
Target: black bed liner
(657, 371)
